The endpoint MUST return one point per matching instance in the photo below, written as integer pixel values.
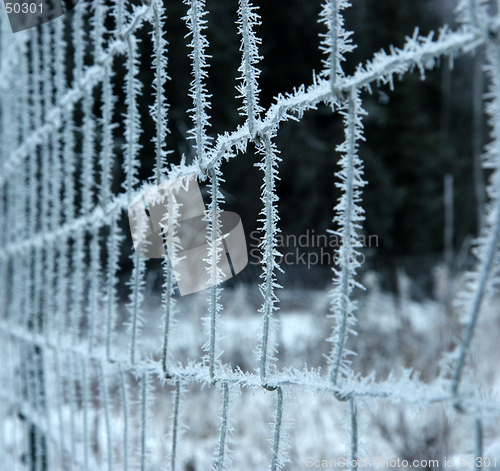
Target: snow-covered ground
(394, 333)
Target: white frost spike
(146, 401)
(113, 247)
(87, 176)
(336, 42)
(223, 455)
(99, 12)
(348, 217)
(198, 92)
(269, 166)
(134, 307)
(176, 428)
(159, 109)
(215, 248)
(170, 226)
(106, 156)
(472, 12)
(281, 424)
(249, 88)
(132, 119)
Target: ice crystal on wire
(215, 249)
(248, 18)
(482, 283)
(133, 128)
(159, 108)
(336, 41)
(269, 220)
(223, 454)
(198, 92)
(349, 215)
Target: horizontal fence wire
(69, 371)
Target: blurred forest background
(415, 134)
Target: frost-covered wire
(482, 283)
(348, 218)
(354, 431)
(336, 42)
(106, 157)
(215, 248)
(222, 453)
(132, 119)
(270, 230)
(248, 19)
(159, 109)
(196, 24)
(174, 427)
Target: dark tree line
(414, 135)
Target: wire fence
(65, 359)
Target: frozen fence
(61, 246)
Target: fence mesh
(77, 388)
